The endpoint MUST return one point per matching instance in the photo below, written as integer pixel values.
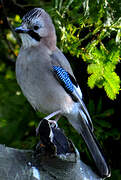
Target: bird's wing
(64, 75)
(58, 59)
(83, 123)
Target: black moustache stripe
(34, 35)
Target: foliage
(102, 69)
(12, 104)
(89, 37)
(89, 33)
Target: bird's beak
(20, 29)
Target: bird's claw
(53, 123)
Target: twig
(9, 24)
(10, 47)
(25, 5)
(67, 7)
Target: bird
(47, 81)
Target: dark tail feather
(94, 148)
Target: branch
(22, 164)
(24, 5)
(52, 159)
(40, 4)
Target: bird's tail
(81, 126)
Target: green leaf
(111, 84)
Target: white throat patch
(28, 41)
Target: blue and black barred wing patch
(64, 79)
(72, 88)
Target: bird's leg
(51, 121)
(54, 122)
(52, 114)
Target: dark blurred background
(89, 34)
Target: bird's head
(37, 26)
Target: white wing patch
(78, 94)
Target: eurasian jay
(47, 81)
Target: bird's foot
(53, 123)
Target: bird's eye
(36, 27)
